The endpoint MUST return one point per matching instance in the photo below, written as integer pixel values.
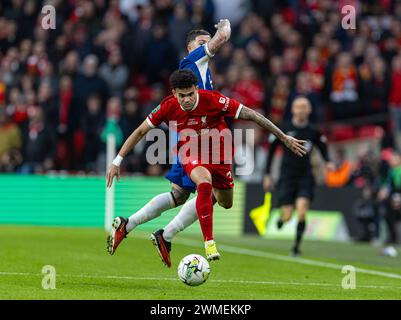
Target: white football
(193, 270)
(390, 252)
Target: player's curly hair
(183, 79)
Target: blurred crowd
(106, 66)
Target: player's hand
(267, 183)
(224, 26)
(295, 145)
(113, 171)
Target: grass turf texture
(261, 269)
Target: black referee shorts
(293, 186)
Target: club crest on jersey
(224, 101)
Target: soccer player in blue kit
(201, 48)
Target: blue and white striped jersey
(198, 62)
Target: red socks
(204, 209)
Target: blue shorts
(178, 176)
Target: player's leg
(224, 197)
(302, 206)
(122, 226)
(184, 218)
(286, 211)
(303, 201)
(182, 187)
(153, 209)
(286, 190)
(204, 208)
(187, 215)
(163, 246)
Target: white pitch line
(263, 254)
(274, 283)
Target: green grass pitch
(250, 268)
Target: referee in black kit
(296, 183)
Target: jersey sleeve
(229, 107)
(274, 143)
(157, 116)
(199, 53)
(321, 143)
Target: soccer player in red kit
(195, 112)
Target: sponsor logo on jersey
(192, 122)
(156, 109)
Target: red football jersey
(207, 114)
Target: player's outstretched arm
(129, 144)
(295, 145)
(221, 36)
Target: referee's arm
(274, 143)
(321, 143)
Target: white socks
(155, 207)
(151, 210)
(182, 220)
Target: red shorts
(222, 177)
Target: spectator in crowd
(131, 118)
(278, 50)
(390, 194)
(39, 144)
(70, 64)
(375, 85)
(47, 101)
(366, 212)
(344, 94)
(115, 73)
(113, 121)
(279, 98)
(179, 26)
(93, 123)
(89, 82)
(156, 95)
(249, 89)
(314, 69)
(303, 87)
(10, 143)
(395, 98)
(340, 175)
(65, 123)
(161, 56)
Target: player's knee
(302, 210)
(180, 196)
(301, 215)
(203, 180)
(286, 214)
(226, 204)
